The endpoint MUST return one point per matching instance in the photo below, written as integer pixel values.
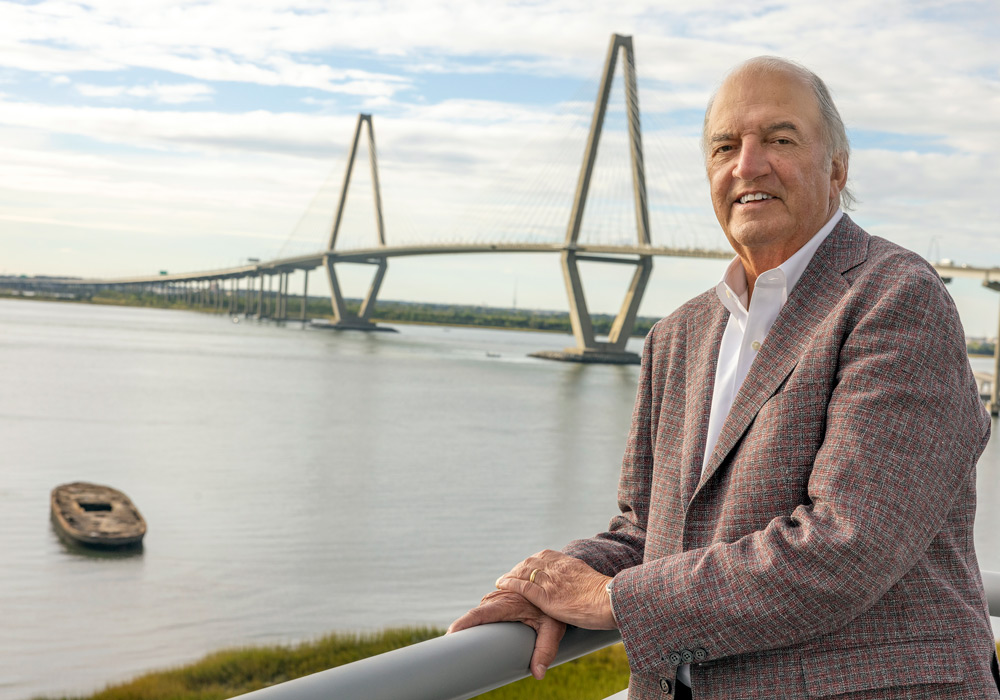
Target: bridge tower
(588, 349)
(344, 319)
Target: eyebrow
(780, 126)
(770, 129)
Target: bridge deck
(311, 261)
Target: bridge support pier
(342, 318)
(279, 304)
(588, 349)
(260, 298)
(305, 294)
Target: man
(798, 489)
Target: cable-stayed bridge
(598, 189)
(605, 218)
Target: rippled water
(295, 481)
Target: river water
(295, 481)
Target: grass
(232, 672)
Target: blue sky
(182, 135)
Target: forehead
(752, 100)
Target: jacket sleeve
(904, 428)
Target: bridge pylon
(342, 317)
(588, 349)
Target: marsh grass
(232, 672)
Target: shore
(386, 312)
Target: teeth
(754, 197)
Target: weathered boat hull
(96, 516)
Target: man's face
(765, 137)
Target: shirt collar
(732, 290)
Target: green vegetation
(228, 673)
(485, 316)
(981, 347)
(385, 311)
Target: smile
(754, 197)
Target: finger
(536, 576)
(536, 562)
(498, 606)
(524, 568)
(520, 586)
(472, 618)
(482, 615)
(548, 635)
(534, 593)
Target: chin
(756, 234)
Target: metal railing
(453, 667)
(991, 582)
(462, 665)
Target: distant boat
(96, 516)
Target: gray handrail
(453, 667)
(991, 582)
(462, 665)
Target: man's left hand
(564, 588)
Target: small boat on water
(96, 516)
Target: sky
(191, 135)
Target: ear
(838, 172)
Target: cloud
(228, 116)
(165, 94)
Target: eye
(782, 140)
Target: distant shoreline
(557, 322)
(385, 312)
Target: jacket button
(687, 656)
(700, 654)
(674, 658)
(664, 685)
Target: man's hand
(500, 606)
(562, 587)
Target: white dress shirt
(747, 328)
(746, 331)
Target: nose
(752, 162)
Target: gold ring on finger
(532, 577)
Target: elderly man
(798, 488)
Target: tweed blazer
(827, 547)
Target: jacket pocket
(897, 664)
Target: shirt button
(755, 345)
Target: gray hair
(834, 132)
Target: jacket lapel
(704, 333)
(818, 291)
